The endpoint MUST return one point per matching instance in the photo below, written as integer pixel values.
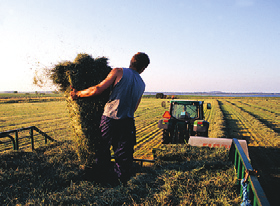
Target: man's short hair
(140, 61)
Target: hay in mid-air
(85, 113)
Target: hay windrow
(195, 176)
(85, 113)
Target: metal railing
(245, 171)
(15, 139)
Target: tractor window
(192, 111)
(180, 111)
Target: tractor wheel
(166, 139)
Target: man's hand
(74, 95)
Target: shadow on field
(47, 175)
(232, 126)
(52, 176)
(267, 123)
(28, 175)
(267, 162)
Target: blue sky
(194, 45)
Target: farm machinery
(184, 124)
(184, 119)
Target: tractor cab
(186, 109)
(184, 119)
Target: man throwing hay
(117, 123)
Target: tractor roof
(186, 101)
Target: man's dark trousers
(121, 135)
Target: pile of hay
(85, 113)
(194, 176)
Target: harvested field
(253, 119)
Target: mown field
(254, 119)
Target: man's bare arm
(114, 75)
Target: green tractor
(185, 119)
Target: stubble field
(254, 119)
